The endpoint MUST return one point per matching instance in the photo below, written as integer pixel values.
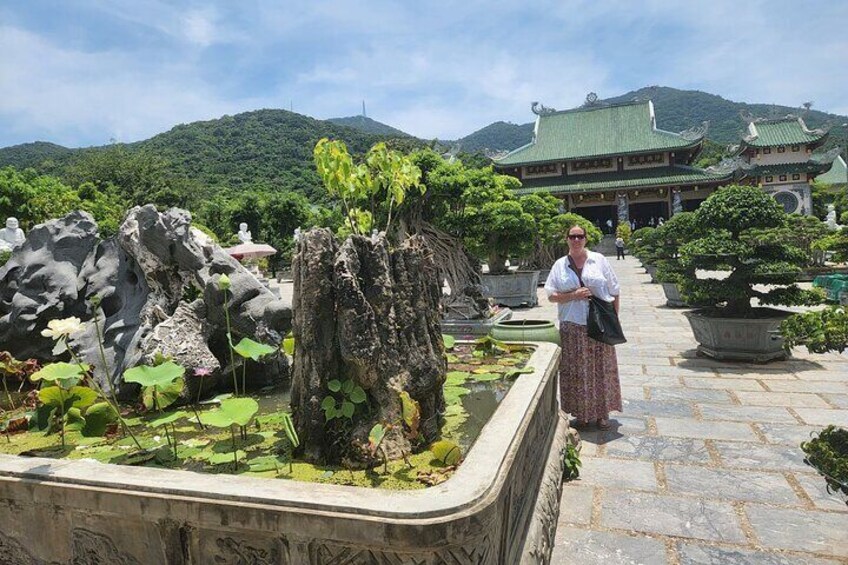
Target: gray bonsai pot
(672, 296)
(754, 339)
(513, 289)
(652, 271)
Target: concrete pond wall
(501, 505)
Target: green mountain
(31, 154)
(270, 148)
(363, 123)
(499, 136)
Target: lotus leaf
(233, 411)
(266, 463)
(483, 377)
(83, 396)
(56, 397)
(446, 451)
(65, 375)
(513, 373)
(166, 394)
(75, 419)
(453, 394)
(97, 419)
(160, 375)
(168, 418)
(222, 458)
(250, 349)
(334, 385)
(449, 340)
(456, 378)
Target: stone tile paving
(703, 466)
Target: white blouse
(597, 275)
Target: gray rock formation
(135, 282)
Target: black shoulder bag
(603, 324)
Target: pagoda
(777, 155)
(610, 163)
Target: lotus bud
(224, 282)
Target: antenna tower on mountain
(364, 115)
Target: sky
(88, 72)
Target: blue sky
(84, 72)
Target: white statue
(11, 236)
(244, 234)
(830, 219)
(297, 234)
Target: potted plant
(644, 247)
(741, 239)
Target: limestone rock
(134, 282)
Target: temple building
(610, 163)
(777, 155)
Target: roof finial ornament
(540, 109)
(696, 132)
(591, 99)
(746, 116)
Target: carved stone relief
(91, 548)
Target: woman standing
(588, 371)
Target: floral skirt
(588, 375)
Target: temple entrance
(648, 213)
(599, 215)
(692, 205)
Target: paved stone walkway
(703, 466)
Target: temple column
(676, 201)
(623, 207)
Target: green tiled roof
(838, 173)
(787, 169)
(785, 131)
(659, 176)
(596, 132)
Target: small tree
(740, 227)
(667, 240)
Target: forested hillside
(265, 148)
(363, 123)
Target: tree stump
(369, 313)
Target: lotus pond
(213, 436)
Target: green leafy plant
(571, 462)
(828, 454)
(449, 342)
(341, 403)
(63, 401)
(224, 287)
(488, 346)
(384, 172)
(291, 434)
(11, 367)
(819, 331)
(249, 349)
(232, 412)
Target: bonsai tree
(642, 244)
(497, 227)
(742, 227)
(551, 228)
(666, 241)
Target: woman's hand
(582, 293)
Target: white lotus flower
(58, 329)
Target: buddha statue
(244, 233)
(830, 219)
(12, 235)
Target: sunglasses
(576, 236)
